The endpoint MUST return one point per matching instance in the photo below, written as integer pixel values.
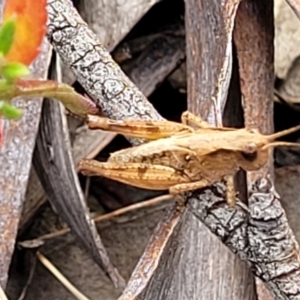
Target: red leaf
(31, 18)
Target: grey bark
(15, 160)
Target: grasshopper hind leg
(180, 201)
(177, 189)
(185, 187)
(230, 191)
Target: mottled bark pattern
(102, 78)
(272, 244)
(259, 235)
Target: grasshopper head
(256, 152)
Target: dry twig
(60, 277)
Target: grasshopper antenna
(282, 133)
(277, 135)
(280, 144)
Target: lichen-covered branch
(101, 77)
(259, 235)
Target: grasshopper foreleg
(230, 190)
(184, 187)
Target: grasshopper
(180, 157)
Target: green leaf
(7, 32)
(4, 85)
(14, 70)
(9, 111)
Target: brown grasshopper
(180, 158)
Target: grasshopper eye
(249, 156)
(250, 152)
(250, 148)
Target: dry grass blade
(60, 277)
(208, 101)
(262, 292)
(286, 98)
(2, 294)
(101, 218)
(289, 90)
(217, 54)
(29, 279)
